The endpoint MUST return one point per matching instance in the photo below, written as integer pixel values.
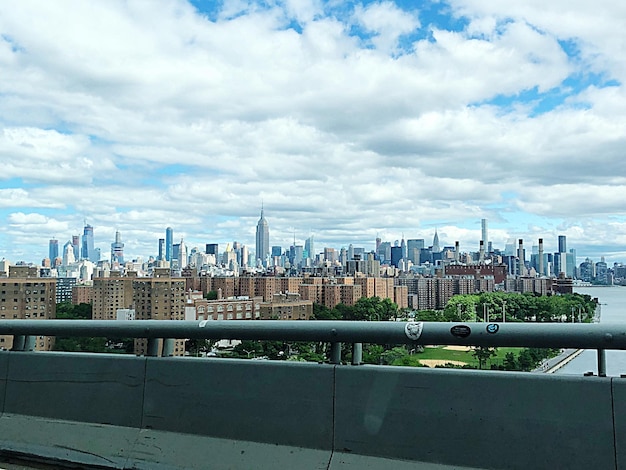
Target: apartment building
(160, 297)
(25, 295)
(286, 307)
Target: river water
(613, 310)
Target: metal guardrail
(541, 335)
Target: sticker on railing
(203, 323)
(413, 330)
(461, 331)
(492, 328)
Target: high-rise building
(262, 239)
(436, 248)
(160, 297)
(68, 254)
(174, 256)
(413, 247)
(330, 255)
(396, 255)
(64, 286)
(562, 244)
(53, 250)
(212, 249)
(111, 294)
(169, 243)
(485, 234)
(298, 255)
(161, 256)
(76, 246)
(245, 256)
(117, 250)
(87, 250)
(182, 255)
(30, 297)
(309, 247)
(384, 252)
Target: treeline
(69, 311)
(365, 309)
(517, 307)
(525, 307)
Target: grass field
(443, 354)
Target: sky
(344, 120)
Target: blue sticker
(493, 328)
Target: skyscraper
(76, 247)
(485, 234)
(396, 255)
(212, 249)
(86, 248)
(262, 239)
(436, 248)
(182, 255)
(117, 249)
(53, 250)
(414, 246)
(562, 244)
(169, 243)
(309, 247)
(161, 255)
(68, 254)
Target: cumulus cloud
(346, 121)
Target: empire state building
(262, 239)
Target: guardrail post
(357, 354)
(335, 353)
(601, 363)
(18, 343)
(168, 347)
(153, 347)
(29, 343)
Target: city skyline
(510, 246)
(347, 121)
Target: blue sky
(347, 119)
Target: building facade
(262, 239)
(25, 295)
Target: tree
(525, 360)
(394, 355)
(371, 309)
(211, 295)
(460, 308)
(483, 354)
(321, 312)
(429, 315)
(372, 353)
(69, 311)
(509, 362)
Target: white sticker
(203, 323)
(414, 329)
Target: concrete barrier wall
(475, 419)
(619, 416)
(153, 413)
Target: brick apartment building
(25, 295)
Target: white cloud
(387, 21)
(138, 115)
